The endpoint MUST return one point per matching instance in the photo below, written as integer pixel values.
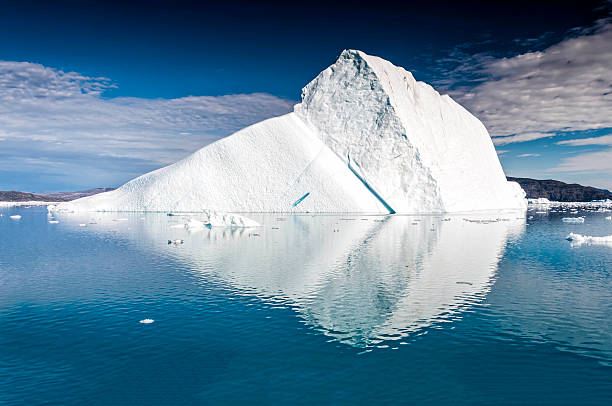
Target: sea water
(489, 308)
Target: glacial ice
(573, 219)
(578, 239)
(539, 201)
(215, 219)
(229, 220)
(194, 225)
(367, 137)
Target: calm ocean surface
(347, 309)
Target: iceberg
(366, 137)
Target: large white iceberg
(367, 137)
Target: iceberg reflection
(359, 279)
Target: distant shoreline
(55, 197)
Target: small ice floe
(82, 225)
(175, 242)
(229, 220)
(482, 221)
(53, 221)
(178, 226)
(15, 216)
(538, 201)
(146, 321)
(573, 219)
(121, 219)
(194, 225)
(609, 218)
(578, 239)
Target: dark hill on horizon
(15, 196)
(558, 191)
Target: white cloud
(566, 87)
(600, 161)
(57, 116)
(602, 140)
(510, 139)
(562, 88)
(527, 155)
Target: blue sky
(95, 93)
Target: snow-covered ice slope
(367, 137)
(266, 167)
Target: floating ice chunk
(53, 221)
(121, 219)
(146, 321)
(175, 242)
(194, 225)
(82, 225)
(178, 226)
(15, 216)
(578, 239)
(538, 201)
(609, 218)
(573, 219)
(229, 220)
